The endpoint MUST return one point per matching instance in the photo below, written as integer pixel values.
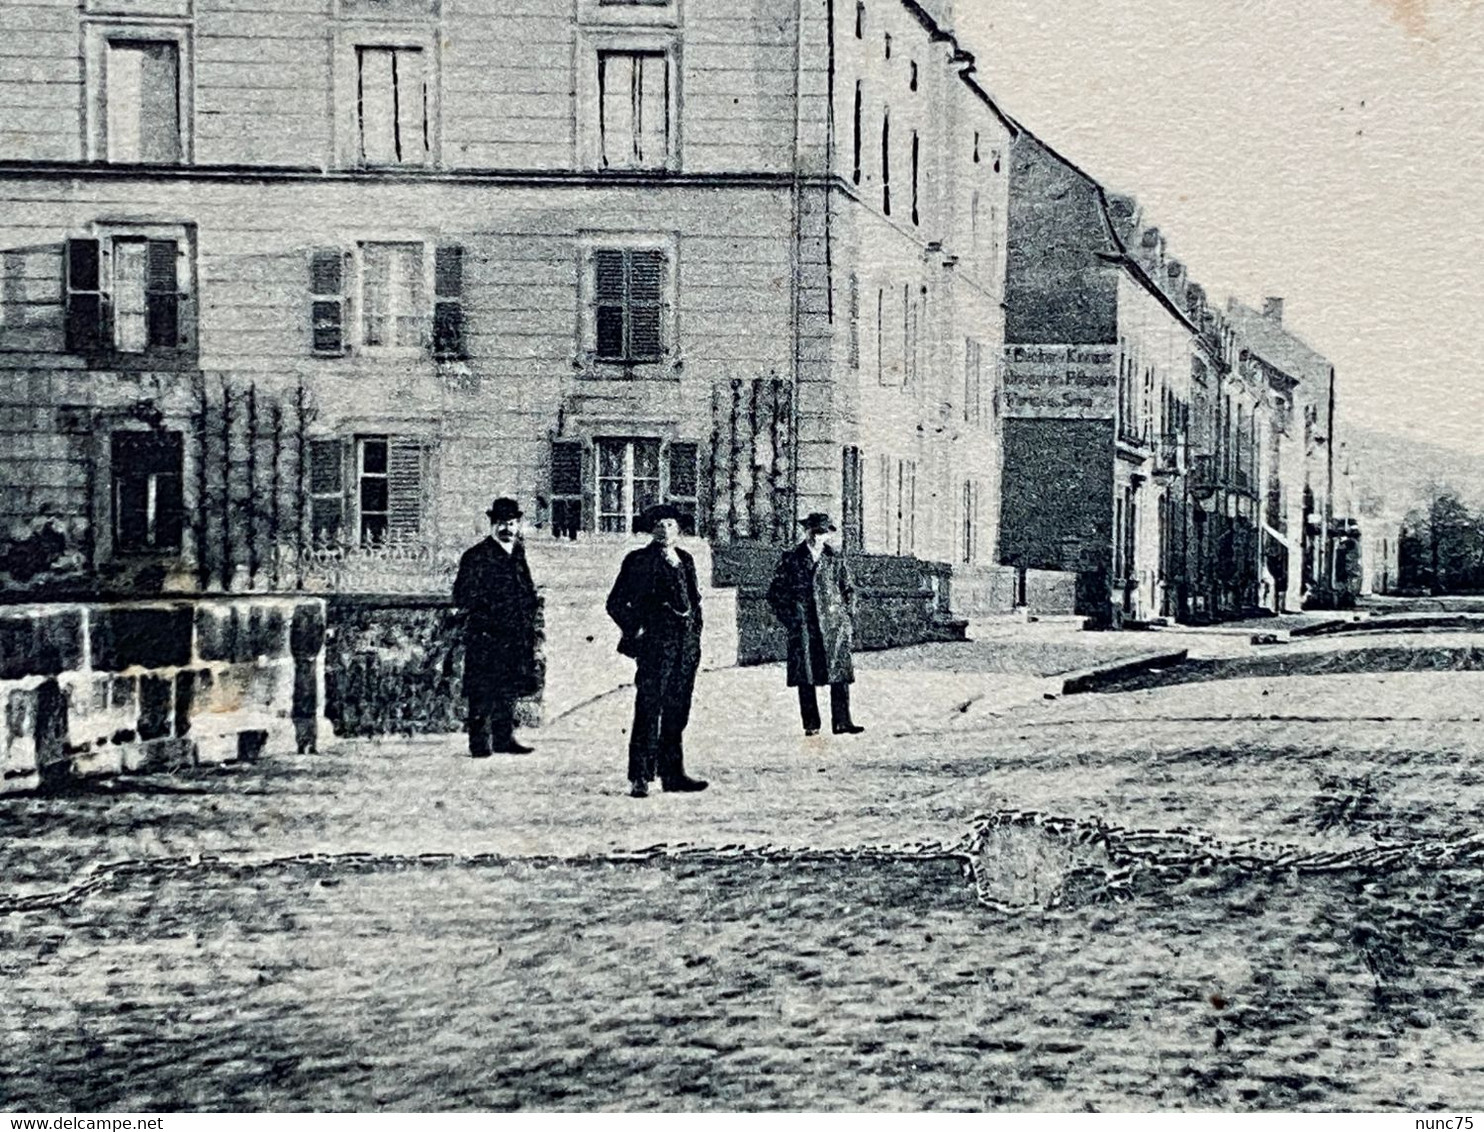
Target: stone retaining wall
(900, 601)
(98, 689)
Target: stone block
(213, 750)
(158, 755)
(265, 637)
(40, 644)
(306, 688)
(185, 695)
(53, 761)
(156, 696)
(251, 744)
(307, 631)
(98, 761)
(150, 636)
(217, 632)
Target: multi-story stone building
(1298, 456)
(286, 271)
(1098, 393)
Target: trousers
(491, 723)
(664, 682)
(839, 706)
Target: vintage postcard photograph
(714, 556)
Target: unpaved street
(390, 925)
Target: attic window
(888, 45)
(860, 19)
(976, 147)
(995, 155)
(912, 80)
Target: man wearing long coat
(656, 603)
(813, 594)
(495, 591)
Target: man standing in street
(813, 595)
(495, 591)
(656, 603)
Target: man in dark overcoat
(656, 603)
(495, 591)
(813, 594)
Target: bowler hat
(503, 509)
(652, 515)
(817, 521)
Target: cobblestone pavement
(518, 973)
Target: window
(141, 85)
(392, 295)
(860, 19)
(388, 489)
(973, 381)
(970, 521)
(852, 505)
(629, 294)
(148, 507)
(634, 109)
(881, 370)
(904, 532)
(326, 491)
(127, 294)
(912, 76)
(886, 163)
(391, 106)
(888, 45)
(327, 301)
(628, 482)
(855, 163)
(683, 489)
(853, 346)
(915, 218)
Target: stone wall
(900, 601)
(98, 689)
(987, 591)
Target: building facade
(327, 273)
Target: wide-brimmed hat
(503, 509)
(817, 521)
(652, 515)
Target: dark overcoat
(495, 591)
(816, 603)
(657, 606)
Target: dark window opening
(148, 502)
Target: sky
(1327, 151)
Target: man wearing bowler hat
(656, 603)
(495, 591)
(813, 595)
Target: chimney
(1175, 288)
(1272, 308)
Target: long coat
(816, 603)
(647, 602)
(495, 590)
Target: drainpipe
(796, 258)
(1329, 486)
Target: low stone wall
(987, 591)
(900, 601)
(97, 689)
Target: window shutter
(684, 483)
(162, 295)
(404, 488)
(448, 302)
(326, 490)
(327, 304)
(85, 313)
(646, 305)
(609, 297)
(854, 347)
(566, 488)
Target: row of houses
(280, 279)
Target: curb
(1093, 679)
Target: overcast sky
(1328, 151)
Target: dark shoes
(511, 748)
(638, 788)
(848, 729)
(685, 785)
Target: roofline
(961, 55)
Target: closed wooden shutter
(448, 302)
(327, 300)
(327, 490)
(86, 300)
(684, 493)
(162, 295)
(854, 345)
(404, 487)
(646, 305)
(566, 488)
(609, 299)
